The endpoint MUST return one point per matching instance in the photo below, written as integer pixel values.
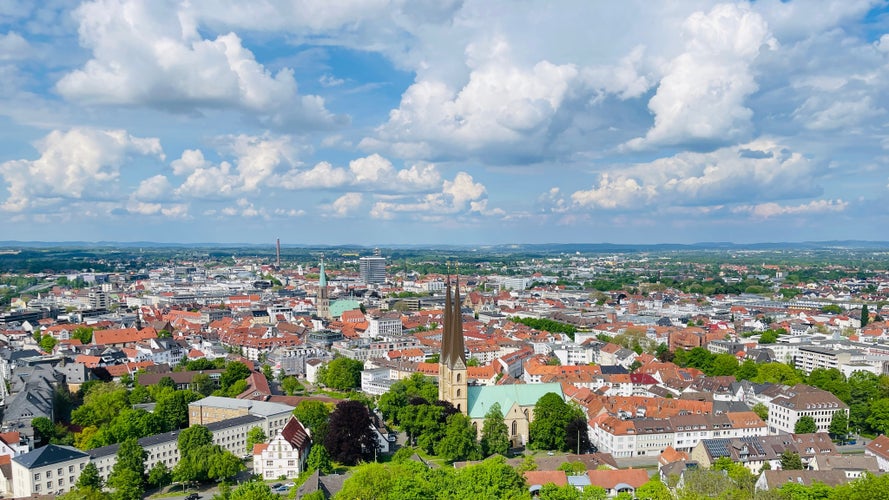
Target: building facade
(50, 470)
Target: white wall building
(286, 453)
(50, 470)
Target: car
(275, 486)
(193, 496)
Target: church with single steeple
(516, 401)
(322, 299)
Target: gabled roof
(879, 446)
(49, 455)
(541, 477)
(611, 479)
(296, 434)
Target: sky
(378, 122)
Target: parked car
(192, 496)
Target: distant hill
(550, 248)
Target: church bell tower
(322, 301)
(452, 383)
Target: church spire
(452, 346)
(322, 280)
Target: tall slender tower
(278, 253)
(452, 384)
(322, 301)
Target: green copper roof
(322, 280)
(481, 398)
(338, 307)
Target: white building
(286, 453)
(50, 470)
(803, 400)
(388, 325)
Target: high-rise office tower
(372, 270)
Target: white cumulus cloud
(702, 94)
(152, 54)
(80, 163)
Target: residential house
(879, 448)
(285, 454)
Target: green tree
(724, 364)
(290, 385)
(349, 435)
(747, 371)
(44, 429)
(777, 373)
(552, 492)
(805, 425)
(127, 485)
(762, 411)
(89, 477)
(459, 440)
(85, 494)
(172, 408)
(192, 438)
(706, 483)
(343, 374)
(654, 489)
(549, 427)
(222, 464)
(493, 478)
(831, 380)
(401, 392)
(878, 416)
(253, 490)
(255, 436)
(203, 384)
(234, 372)
(573, 468)
(127, 475)
(314, 415)
(83, 333)
(319, 459)
(865, 316)
(791, 461)
(159, 475)
(832, 309)
(839, 425)
(495, 434)
(373, 480)
(48, 343)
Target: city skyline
(460, 122)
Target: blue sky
(433, 121)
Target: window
(37, 476)
(48, 474)
(70, 468)
(61, 482)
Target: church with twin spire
(516, 401)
